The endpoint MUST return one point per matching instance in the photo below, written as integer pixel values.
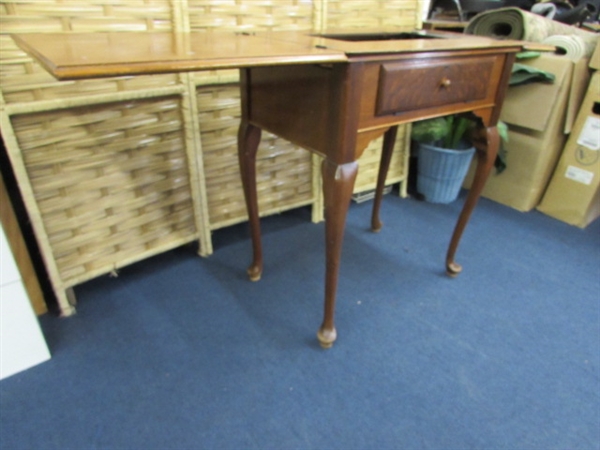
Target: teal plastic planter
(441, 172)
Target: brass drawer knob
(445, 82)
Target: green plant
(446, 132)
(452, 132)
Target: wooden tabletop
(89, 55)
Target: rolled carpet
(515, 23)
(572, 46)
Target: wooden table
(331, 94)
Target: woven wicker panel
(284, 174)
(260, 15)
(23, 80)
(369, 163)
(22, 16)
(111, 182)
(372, 13)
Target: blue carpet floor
(181, 352)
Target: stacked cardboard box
(573, 194)
(539, 116)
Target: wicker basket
(115, 170)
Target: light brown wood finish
(94, 55)
(329, 94)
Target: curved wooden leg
(248, 140)
(487, 148)
(338, 183)
(389, 139)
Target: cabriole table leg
(389, 139)
(487, 145)
(338, 183)
(248, 140)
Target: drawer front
(409, 86)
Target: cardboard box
(539, 116)
(595, 59)
(573, 194)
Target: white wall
(22, 343)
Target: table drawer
(409, 86)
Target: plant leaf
(460, 129)
(430, 130)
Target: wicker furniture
(166, 141)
